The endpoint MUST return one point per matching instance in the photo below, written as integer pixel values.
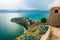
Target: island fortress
(54, 18)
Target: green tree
(43, 20)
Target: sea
(10, 30)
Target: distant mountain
(19, 11)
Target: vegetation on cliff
(43, 29)
(35, 35)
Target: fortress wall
(54, 18)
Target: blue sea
(9, 30)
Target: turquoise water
(9, 30)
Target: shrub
(58, 26)
(29, 37)
(43, 20)
(32, 23)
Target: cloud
(24, 4)
(8, 4)
(55, 3)
(14, 5)
(39, 4)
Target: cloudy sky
(28, 4)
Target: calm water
(9, 30)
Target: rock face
(54, 19)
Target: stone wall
(54, 18)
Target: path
(55, 34)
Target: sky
(28, 4)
